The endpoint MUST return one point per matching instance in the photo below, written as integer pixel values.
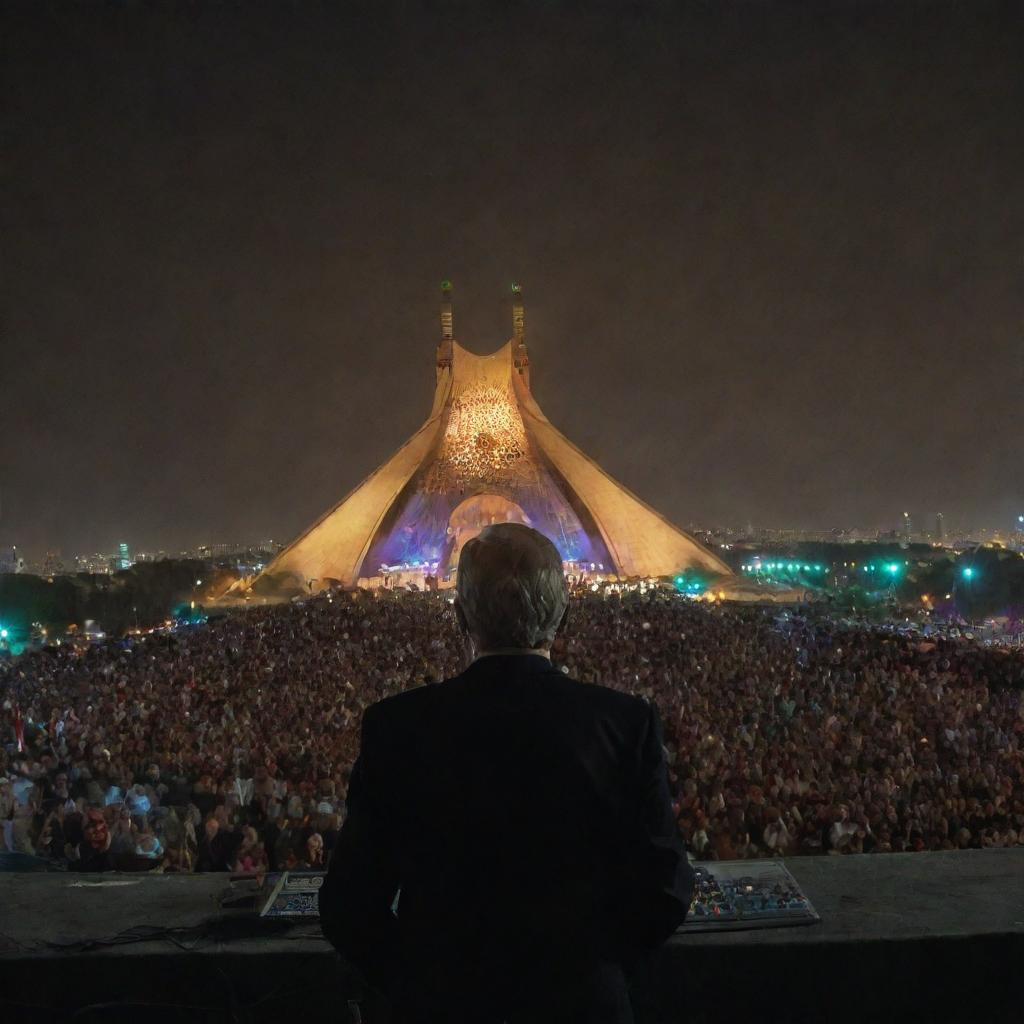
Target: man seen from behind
(510, 851)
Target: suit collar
(502, 664)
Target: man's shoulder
(422, 700)
(398, 705)
(613, 701)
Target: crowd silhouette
(228, 746)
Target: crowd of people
(228, 746)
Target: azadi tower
(485, 454)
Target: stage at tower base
(486, 454)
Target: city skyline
(772, 260)
(754, 533)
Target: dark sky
(772, 254)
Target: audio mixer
(730, 895)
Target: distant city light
(968, 572)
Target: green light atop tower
(516, 288)
(446, 286)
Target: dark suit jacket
(526, 819)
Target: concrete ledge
(907, 937)
(886, 897)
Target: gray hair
(511, 587)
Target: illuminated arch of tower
(486, 453)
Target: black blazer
(526, 820)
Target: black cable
(128, 936)
(213, 928)
(135, 1005)
(15, 942)
(232, 997)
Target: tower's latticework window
(484, 443)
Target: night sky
(772, 254)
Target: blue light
(968, 572)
